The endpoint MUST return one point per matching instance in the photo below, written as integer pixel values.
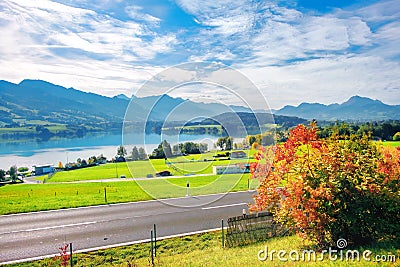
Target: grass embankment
(38, 197)
(206, 250)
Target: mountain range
(36, 101)
(357, 108)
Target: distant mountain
(244, 123)
(40, 100)
(357, 108)
(122, 96)
(36, 101)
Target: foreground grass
(37, 197)
(206, 250)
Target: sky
(293, 51)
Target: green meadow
(191, 164)
(391, 143)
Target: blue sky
(294, 51)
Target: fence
(249, 229)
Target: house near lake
(43, 169)
(229, 169)
(238, 155)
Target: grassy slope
(188, 164)
(205, 250)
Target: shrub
(331, 189)
(396, 136)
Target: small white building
(43, 169)
(227, 169)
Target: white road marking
(224, 206)
(50, 227)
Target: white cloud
(328, 80)
(294, 56)
(135, 12)
(76, 47)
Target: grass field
(37, 197)
(193, 164)
(391, 143)
(206, 250)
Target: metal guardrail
(252, 228)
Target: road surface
(37, 234)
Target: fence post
(105, 194)
(223, 237)
(155, 240)
(70, 255)
(151, 248)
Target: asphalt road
(30, 235)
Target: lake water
(28, 153)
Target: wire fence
(249, 229)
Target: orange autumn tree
(331, 189)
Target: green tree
(142, 153)
(2, 175)
(221, 142)
(135, 153)
(162, 151)
(251, 139)
(23, 169)
(167, 149)
(13, 173)
(121, 151)
(228, 143)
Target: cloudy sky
(294, 51)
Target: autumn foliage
(331, 189)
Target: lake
(35, 152)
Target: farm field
(191, 164)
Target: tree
(203, 147)
(2, 175)
(142, 153)
(23, 169)
(225, 143)
(330, 189)
(396, 136)
(162, 151)
(221, 143)
(135, 153)
(13, 173)
(251, 139)
(228, 143)
(121, 151)
(167, 149)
